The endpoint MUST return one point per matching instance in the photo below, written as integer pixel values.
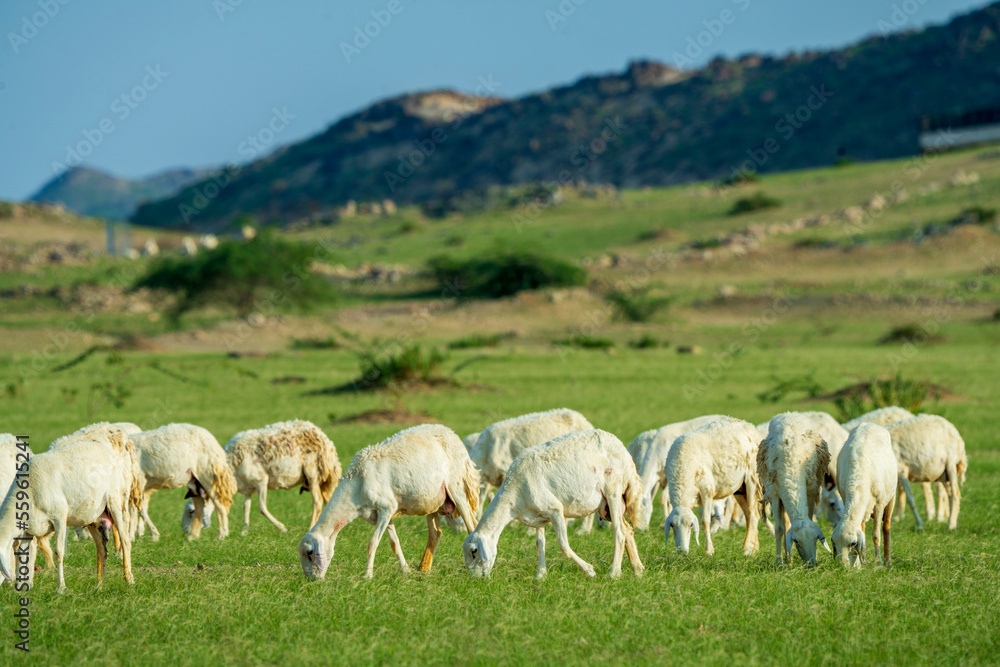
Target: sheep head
(849, 544)
(480, 554)
(804, 534)
(831, 505)
(683, 521)
(187, 517)
(315, 554)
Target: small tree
(265, 271)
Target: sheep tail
(470, 484)
(633, 497)
(225, 484)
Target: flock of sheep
(545, 468)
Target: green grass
(250, 604)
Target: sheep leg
(119, 515)
(484, 491)
(317, 498)
(886, 530)
(944, 495)
(198, 520)
(262, 492)
(956, 495)
(706, 522)
(910, 501)
(381, 524)
(102, 553)
(397, 548)
(46, 549)
(901, 501)
(928, 490)
(877, 529)
(59, 551)
(540, 545)
(433, 537)
(246, 513)
(586, 525)
(223, 513)
(562, 535)
(632, 551)
(616, 510)
(748, 503)
(149, 522)
(779, 535)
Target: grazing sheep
(179, 455)
(283, 456)
(80, 532)
(890, 415)
(930, 449)
(792, 464)
(649, 451)
(712, 462)
(866, 470)
(835, 436)
(12, 455)
(78, 483)
(452, 522)
(573, 475)
(421, 471)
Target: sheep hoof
(540, 574)
(614, 574)
(590, 572)
(368, 574)
(245, 531)
(282, 529)
(155, 537)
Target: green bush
(407, 366)
(328, 343)
(755, 202)
(637, 305)
(586, 342)
(647, 342)
(475, 340)
(705, 244)
(877, 394)
(909, 333)
(975, 215)
(265, 272)
(504, 274)
(739, 178)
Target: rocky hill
(650, 125)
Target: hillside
(661, 126)
(92, 192)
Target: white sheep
(282, 456)
(179, 455)
(890, 415)
(930, 449)
(573, 475)
(712, 462)
(12, 454)
(455, 523)
(792, 464)
(866, 470)
(80, 532)
(649, 451)
(421, 471)
(835, 435)
(79, 483)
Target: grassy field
(797, 313)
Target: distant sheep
(866, 470)
(283, 456)
(649, 451)
(422, 471)
(710, 463)
(573, 475)
(929, 448)
(179, 455)
(792, 464)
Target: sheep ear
(822, 541)
(697, 532)
(195, 489)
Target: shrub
(265, 270)
(755, 202)
(637, 305)
(328, 343)
(504, 274)
(739, 178)
(454, 240)
(909, 333)
(475, 340)
(647, 342)
(407, 227)
(586, 342)
(975, 215)
(814, 242)
(899, 391)
(996, 315)
(409, 365)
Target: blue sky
(199, 76)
